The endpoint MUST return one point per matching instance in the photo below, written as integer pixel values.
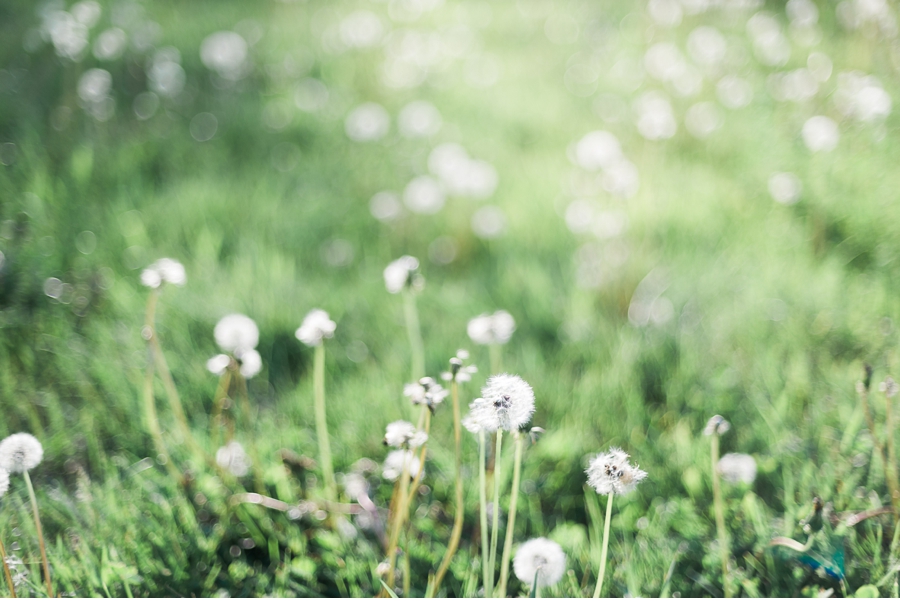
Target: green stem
(495, 518)
(171, 391)
(605, 547)
(322, 423)
(248, 422)
(456, 533)
(414, 332)
(511, 521)
(720, 515)
(40, 533)
(218, 406)
(398, 519)
(891, 466)
(496, 363)
(6, 572)
(482, 489)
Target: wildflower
(611, 473)
(233, 458)
(355, 485)
(20, 453)
(235, 333)
(540, 557)
(737, 467)
(403, 273)
(404, 434)
(251, 363)
(164, 270)
(716, 425)
(889, 387)
(315, 327)
(397, 460)
(491, 329)
(459, 372)
(426, 392)
(218, 364)
(507, 403)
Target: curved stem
(171, 391)
(891, 466)
(511, 521)
(495, 521)
(218, 406)
(720, 515)
(6, 572)
(40, 533)
(395, 527)
(322, 423)
(482, 489)
(414, 332)
(603, 552)
(456, 533)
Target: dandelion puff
(716, 425)
(236, 333)
(404, 434)
(611, 473)
(458, 371)
(426, 392)
(218, 364)
(889, 387)
(316, 326)
(539, 557)
(151, 277)
(397, 460)
(233, 458)
(20, 452)
(4, 482)
(507, 403)
(737, 467)
(164, 270)
(251, 363)
(401, 274)
(491, 329)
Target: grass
(777, 308)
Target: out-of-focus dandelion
(492, 330)
(164, 271)
(316, 327)
(4, 486)
(234, 459)
(404, 435)
(610, 474)
(235, 333)
(539, 563)
(459, 372)
(737, 468)
(426, 392)
(403, 276)
(398, 467)
(21, 453)
(715, 427)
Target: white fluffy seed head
(20, 453)
(397, 460)
(716, 425)
(491, 329)
(315, 327)
(404, 434)
(236, 333)
(251, 363)
(218, 364)
(611, 473)
(737, 467)
(4, 482)
(507, 403)
(539, 557)
(233, 458)
(164, 270)
(402, 273)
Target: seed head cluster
(611, 473)
(164, 271)
(20, 452)
(316, 326)
(238, 335)
(491, 329)
(426, 392)
(403, 434)
(403, 273)
(506, 403)
(397, 460)
(539, 557)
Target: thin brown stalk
(6, 572)
(248, 422)
(456, 533)
(40, 533)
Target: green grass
(251, 236)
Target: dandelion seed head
(737, 467)
(218, 364)
(403, 434)
(539, 557)
(233, 458)
(315, 327)
(4, 482)
(491, 329)
(889, 387)
(507, 403)
(20, 453)
(611, 473)
(251, 363)
(397, 460)
(401, 274)
(716, 425)
(164, 270)
(236, 333)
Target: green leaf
(867, 591)
(388, 589)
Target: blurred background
(688, 206)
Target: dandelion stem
(496, 362)
(6, 572)
(322, 423)
(248, 421)
(482, 489)
(397, 521)
(171, 391)
(511, 521)
(219, 405)
(495, 518)
(414, 332)
(460, 510)
(40, 533)
(891, 465)
(605, 545)
(720, 514)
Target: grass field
(651, 288)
